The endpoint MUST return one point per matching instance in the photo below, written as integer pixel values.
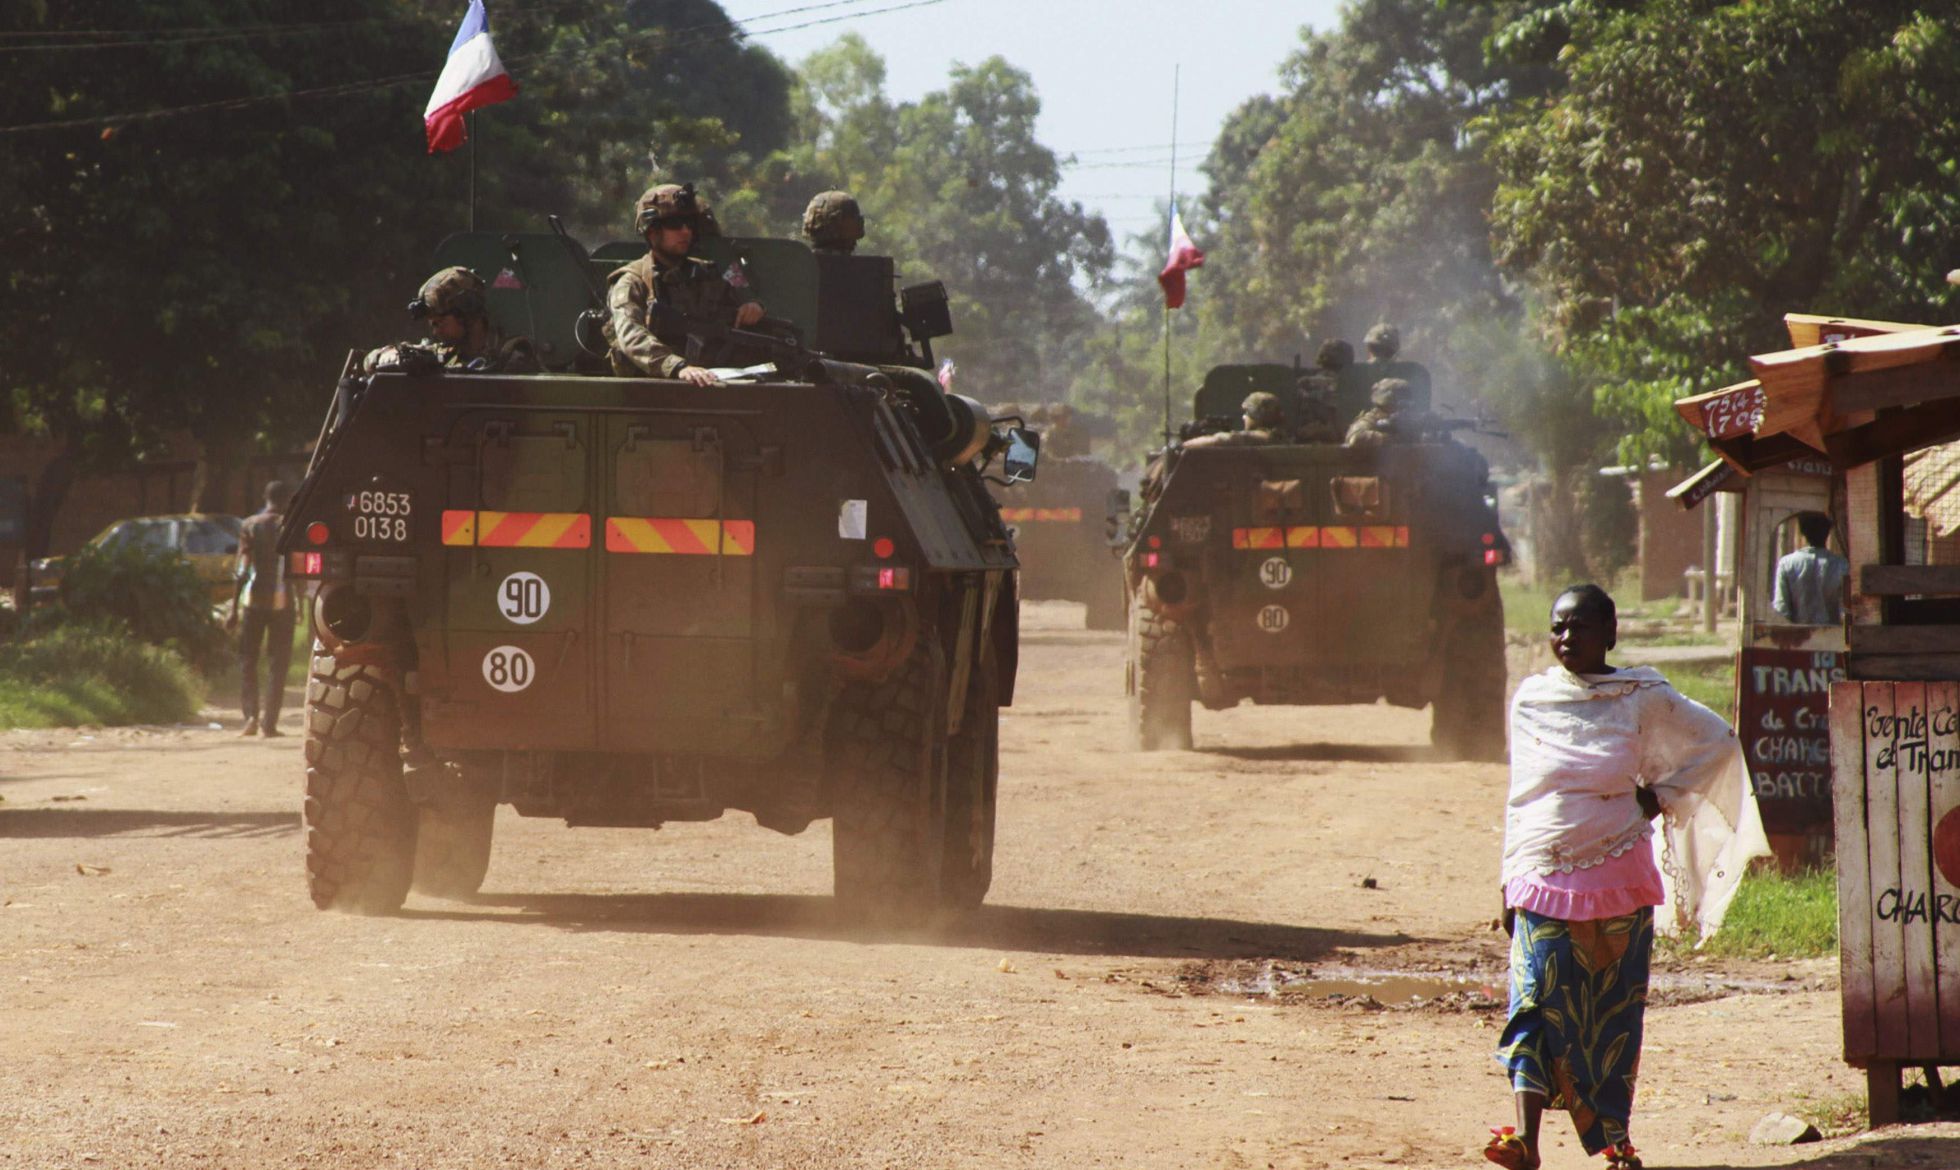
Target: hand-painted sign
(1784, 720)
(1739, 412)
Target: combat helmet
(833, 220)
(453, 290)
(1262, 409)
(1334, 354)
(1383, 341)
(665, 201)
(1389, 393)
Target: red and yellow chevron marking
(487, 529)
(1332, 536)
(1026, 515)
(655, 534)
(1258, 538)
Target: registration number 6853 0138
(380, 515)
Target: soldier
(1389, 419)
(833, 223)
(1383, 341)
(669, 216)
(451, 306)
(1320, 420)
(1263, 418)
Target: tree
(956, 187)
(1709, 167)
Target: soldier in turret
(451, 307)
(669, 216)
(833, 223)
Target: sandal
(1508, 1150)
(1621, 1156)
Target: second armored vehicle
(1313, 573)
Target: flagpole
(472, 118)
(1176, 75)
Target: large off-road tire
(452, 839)
(1166, 683)
(1466, 721)
(886, 757)
(360, 826)
(972, 790)
(1104, 608)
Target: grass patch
(78, 675)
(1835, 1117)
(1788, 916)
(1527, 607)
(1712, 684)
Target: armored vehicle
(1310, 573)
(629, 601)
(1058, 522)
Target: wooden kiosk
(1881, 401)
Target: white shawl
(1580, 744)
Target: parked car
(209, 541)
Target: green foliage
(1789, 916)
(154, 594)
(957, 188)
(1710, 166)
(1711, 684)
(82, 673)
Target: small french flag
(474, 77)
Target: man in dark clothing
(262, 607)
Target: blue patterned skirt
(1578, 1003)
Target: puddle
(1338, 986)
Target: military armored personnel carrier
(1316, 573)
(629, 601)
(1059, 521)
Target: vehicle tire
(1103, 609)
(972, 789)
(360, 826)
(452, 839)
(1166, 681)
(886, 756)
(1467, 719)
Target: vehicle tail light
(882, 548)
(1156, 542)
(1494, 557)
(1490, 539)
(317, 533)
(881, 579)
(1150, 559)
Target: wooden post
(1848, 754)
(1710, 603)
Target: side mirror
(1023, 453)
(1116, 527)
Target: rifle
(590, 328)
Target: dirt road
(1148, 986)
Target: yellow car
(208, 540)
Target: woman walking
(1596, 754)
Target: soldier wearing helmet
(1390, 419)
(671, 217)
(1383, 343)
(1263, 418)
(833, 223)
(451, 306)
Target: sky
(1103, 70)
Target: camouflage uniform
(1389, 419)
(458, 291)
(1320, 418)
(692, 287)
(833, 223)
(1263, 418)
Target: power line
(728, 30)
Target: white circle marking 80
(509, 669)
(1274, 618)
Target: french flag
(1184, 256)
(474, 77)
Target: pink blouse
(1615, 887)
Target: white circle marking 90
(524, 598)
(509, 669)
